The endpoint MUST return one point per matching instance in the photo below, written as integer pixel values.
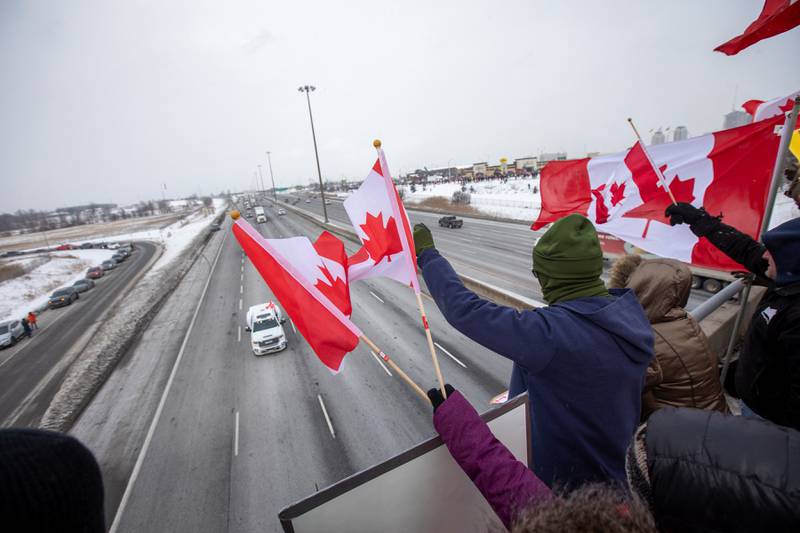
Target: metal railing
(709, 306)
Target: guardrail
(709, 306)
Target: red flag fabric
(761, 110)
(776, 17)
(295, 272)
(380, 220)
(726, 172)
(334, 258)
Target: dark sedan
(63, 297)
(108, 264)
(83, 285)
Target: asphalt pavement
(32, 371)
(240, 436)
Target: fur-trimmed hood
(661, 285)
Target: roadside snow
(31, 290)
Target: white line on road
(327, 418)
(293, 328)
(239, 335)
(151, 431)
(240, 304)
(241, 289)
(376, 296)
(236, 437)
(453, 357)
(378, 359)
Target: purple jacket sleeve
(506, 483)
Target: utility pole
(262, 180)
(272, 176)
(308, 89)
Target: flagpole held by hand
(652, 163)
(396, 368)
(409, 249)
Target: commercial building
(680, 133)
(735, 119)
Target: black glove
(423, 239)
(436, 395)
(683, 213)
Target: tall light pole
(308, 89)
(262, 180)
(272, 176)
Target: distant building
(658, 137)
(526, 164)
(479, 170)
(735, 119)
(680, 133)
(553, 156)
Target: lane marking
(240, 304)
(239, 336)
(453, 357)
(241, 289)
(292, 323)
(241, 278)
(151, 431)
(378, 359)
(376, 296)
(236, 437)
(327, 418)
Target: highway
(32, 371)
(240, 436)
(494, 252)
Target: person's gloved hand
(423, 239)
(683, 213)
(436, 396)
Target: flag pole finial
(376, 143)
(235, 214)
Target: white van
(264, 324)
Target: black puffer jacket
(713, 472)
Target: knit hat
(568, 261)
(783, 242)
(48, 482)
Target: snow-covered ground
(31, 290)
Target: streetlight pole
(262, 180)
(308, 89)
(271, 175)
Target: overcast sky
(106, 100)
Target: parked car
(119, 257)
(63, 297)
(87, 246)
(124, 251)
(108, 264)
(10, 332)
(451, 221)
(83, 285)
(95, 273)
(63, 247)
(113, 245)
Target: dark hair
(591, 508)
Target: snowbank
(31, 290)
(124, 324)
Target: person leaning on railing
(768, 370)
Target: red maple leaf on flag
(336, 290)
(381, 241)
(601, 211)
(658, 201)
(617, 193)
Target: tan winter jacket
(683, 372)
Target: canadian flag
(776, 17)
(310, 283)
(726, 172)
(761, 110)
(381, 222)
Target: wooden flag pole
(377, 144)
(396, 368)
(430, 344)
(652, 163)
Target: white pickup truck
(264, 324)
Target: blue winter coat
(582, 362)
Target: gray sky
(104, 100)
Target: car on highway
(63, 297)
(281, 211)
(264, 324)
(214, 227)
(95, 273)
(108, 264)
(451, 222)
(327, 202)
(83, 285)
(308, 200)
(119, 257)
(10, 332)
